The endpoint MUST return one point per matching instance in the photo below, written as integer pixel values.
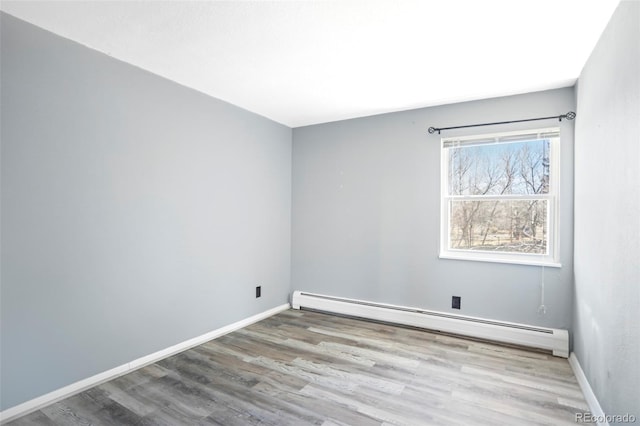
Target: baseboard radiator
(550, 339)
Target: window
(500, 197)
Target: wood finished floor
(302, 367)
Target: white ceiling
(307, 62)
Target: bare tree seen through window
(497, 198)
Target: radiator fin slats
(431, 313)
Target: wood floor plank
(311, 368)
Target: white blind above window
(502, 138)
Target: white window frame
(552, 198)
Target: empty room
(383, 212)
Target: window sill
(497, 259)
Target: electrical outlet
(258, 291)
(455, 302)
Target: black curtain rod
(569, 116)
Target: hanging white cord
(542, 310)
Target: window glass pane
(513, 226)
(519, 168)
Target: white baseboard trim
(589, 396)
(79, 386)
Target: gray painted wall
(136, 213)
(607, 215)
(366, 214)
